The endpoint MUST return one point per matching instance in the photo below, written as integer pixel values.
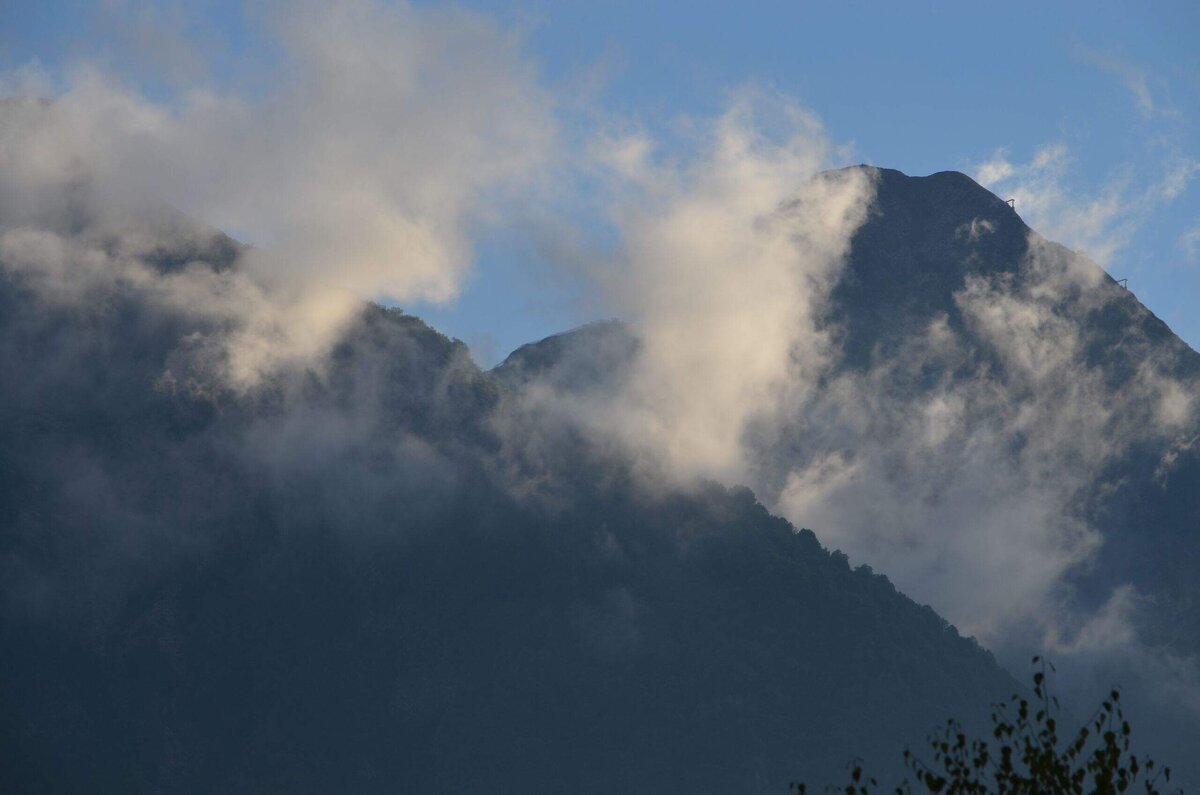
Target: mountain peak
(584, 358)
(922, 238)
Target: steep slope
(365, 576)
(928, 236)
(928, 241)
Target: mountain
(1003, 429)
(384, 569)
(906, 267)
(912, 266)
(376, 572)
(585, 360)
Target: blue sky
(1111, 90)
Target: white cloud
(389, 133)
(724, 257)
(994, 170)
(1098, 223)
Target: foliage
(1029, 755)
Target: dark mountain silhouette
(353, 578)
(387, 571)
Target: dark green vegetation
(1027, 755)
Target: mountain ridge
(1066, 405)
(393, 570)
(352, 577)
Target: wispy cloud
(726, 252)
(1132, 77)
(1099, 223)
(1189, 241)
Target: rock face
(359, 578)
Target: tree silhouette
(1026, 754)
